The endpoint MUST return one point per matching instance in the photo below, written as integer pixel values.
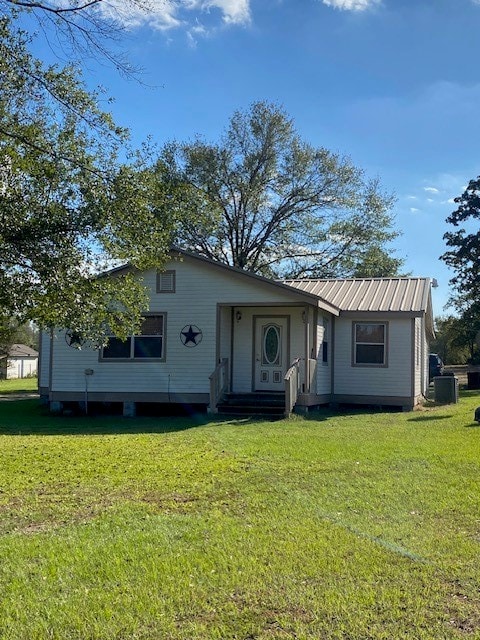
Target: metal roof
(370, 294)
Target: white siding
(44, 360)
(21, 367)
(394, 380)
(324, 375)
(200, 287)
(421, 358)
(418, 356)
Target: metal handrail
(219, 384)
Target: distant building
(21, 362)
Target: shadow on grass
(28, 417)
(430, 418)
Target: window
(166, 281)
(370, 343)
(148, 344)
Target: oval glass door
(271, 345)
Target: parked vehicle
(435, 366)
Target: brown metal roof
(370, 294)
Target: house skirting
(406, 402)
(130, 396)
(313, 399)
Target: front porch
(293, 397)
(265, 351)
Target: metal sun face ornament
(191, 335)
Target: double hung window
(147, 345)
(370, 343)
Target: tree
(375, 262)
(264, 200)
(68, 208)
(11, 333)
(463, 255)
(453, 341)
(81, 28)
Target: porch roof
(370, 294)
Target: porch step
(265, 403)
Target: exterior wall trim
(130, 396)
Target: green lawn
(18, 385)
(355, 526)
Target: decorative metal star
(190, 336)
(74, 339)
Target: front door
(270, 352)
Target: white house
(212, 331)
(21, 362)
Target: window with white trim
(149, 344)
(370, 343)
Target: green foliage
(450, 341)
(376, 262)
(264, 200)
(354, 526)
(68, 208)
(12, 333)
(463, 255)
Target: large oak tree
(264, 200)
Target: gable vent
(166, 282)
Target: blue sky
(394, 84)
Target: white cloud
(352, 5)
(431, 189)
(163, 15)
(413, 210)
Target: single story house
(20, 362)
(212, 331)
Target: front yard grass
(18, 385)
(354, 526)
